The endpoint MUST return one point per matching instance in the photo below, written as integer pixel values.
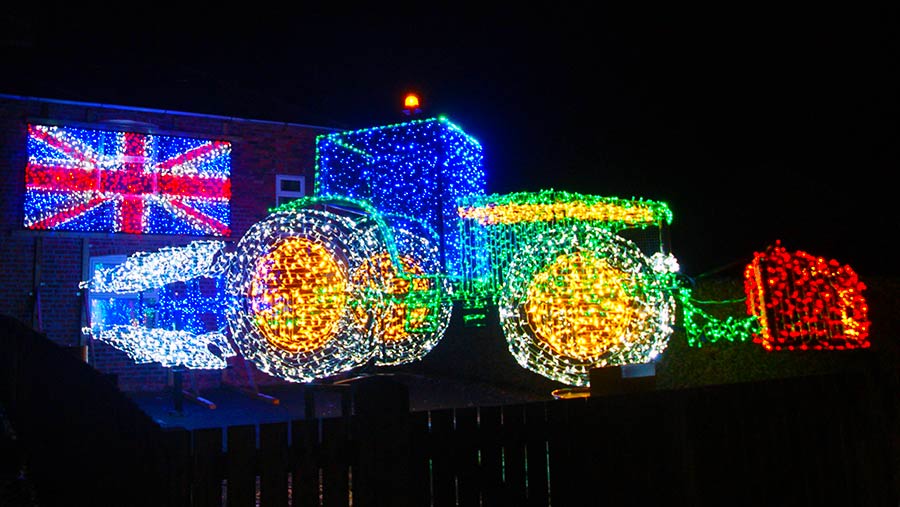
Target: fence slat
(465, 456)
(381, 443)
(491, 431)
(536, 453)
(562, 416)
(644, 449)
(335, 462)
(714, 458)
(673, 470)
(273, 464)
(177, 467)
(514, 490)
(207, 468)
(754, 437)
(419, 459)
(834, 467)
(443, 480)
(875, 444)
(600, 448)
(241, 466)
(305, 463)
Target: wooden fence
(821, 440)
(806, 441)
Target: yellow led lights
(297, 295)
(538, 212)
(396, 320)
(414, 309)
(578, 297)
(325, 285)
(580, 306)
(291, 309)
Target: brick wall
(260, 151)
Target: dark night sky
(752, 125)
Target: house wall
(40, 270)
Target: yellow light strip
(517, 213)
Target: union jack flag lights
(92, 180)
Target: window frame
(91, 295)
(290, 194)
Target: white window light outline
(109, 261)
(290, 195)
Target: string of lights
(152, 270)
(804, 302)
(578, 298)
(701, 327)
(417, 168)
(176, 318)
(492, 227)
(93, 180)
(324, 285)
(169, 348)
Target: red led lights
(805, 302)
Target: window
(288, 188)
(108, 308)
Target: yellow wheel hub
(297, 295)
(579, 305)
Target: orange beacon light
(411, 104)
